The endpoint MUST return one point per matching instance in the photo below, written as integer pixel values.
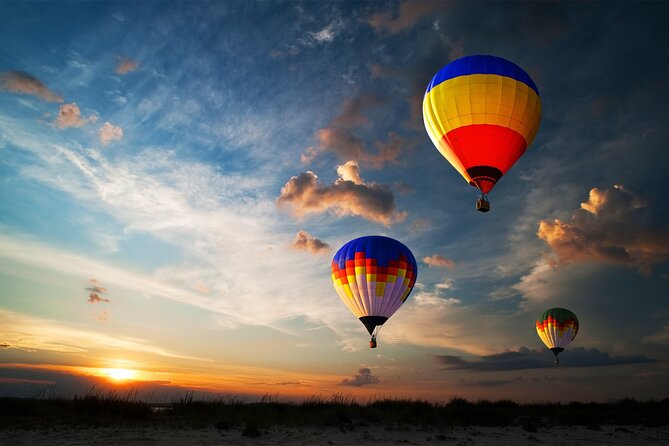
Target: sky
(175, 178)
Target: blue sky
(146, 151)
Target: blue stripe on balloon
(383, 249)
(482, 65)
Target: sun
(118, 374)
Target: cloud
(438, 261)
(420, 225)
(21, 82)
(69, 115)
(613, 226)
(32, 333)
(339, 138)
(95, 298)
(352, 114)
(660, 337)
(525, 358)
(95, 292)
(347, 146)
(326, 35)
(125, 66)
(103, 316)
(348, 195)
(408, 15)
(109, 132)
(350, 171)
(307, 242)
(192, 207)
(364, 377)
(3, 345)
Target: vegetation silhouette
(107, 408)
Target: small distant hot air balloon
(373, 276)
(482, 112)
(557, 327)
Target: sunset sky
(147, 239)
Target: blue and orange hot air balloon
(482, 113)
(373, 276)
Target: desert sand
(372, 435)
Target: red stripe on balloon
(486, 145)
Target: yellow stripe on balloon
(482, 99)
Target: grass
(98, 408)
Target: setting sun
(120, 374)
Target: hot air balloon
(482, 112)
(557, 327)
(373, 276)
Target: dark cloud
(438, 261)
(525, 358)
(340, 139)
(21, 82)
(95, 298)
(353, 113)
(30, 380)
(348, 195)
(307, 242)
(490, 382)
(3, 345)
(614, 226)
(362, 378)
(407, 15)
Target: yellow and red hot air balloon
(373, 276)
(557, 327)
(482, 113)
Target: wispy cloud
(348, 195)
(364, 377)
(69, 115)
(439, 261)
(109, 132)
(326, 34)
(214, 219)
(525, 358)
(307, 242)
(22, 82)
(613, 226)
(32, 333)
(125, 66)
(409, 13)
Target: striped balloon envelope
(482, 112)
(373, 276)
(557, 327)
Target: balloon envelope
(557, 327)
(373, 276)
(482, 112)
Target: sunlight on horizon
(119, 374)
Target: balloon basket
(372, 343)
(482, 204)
